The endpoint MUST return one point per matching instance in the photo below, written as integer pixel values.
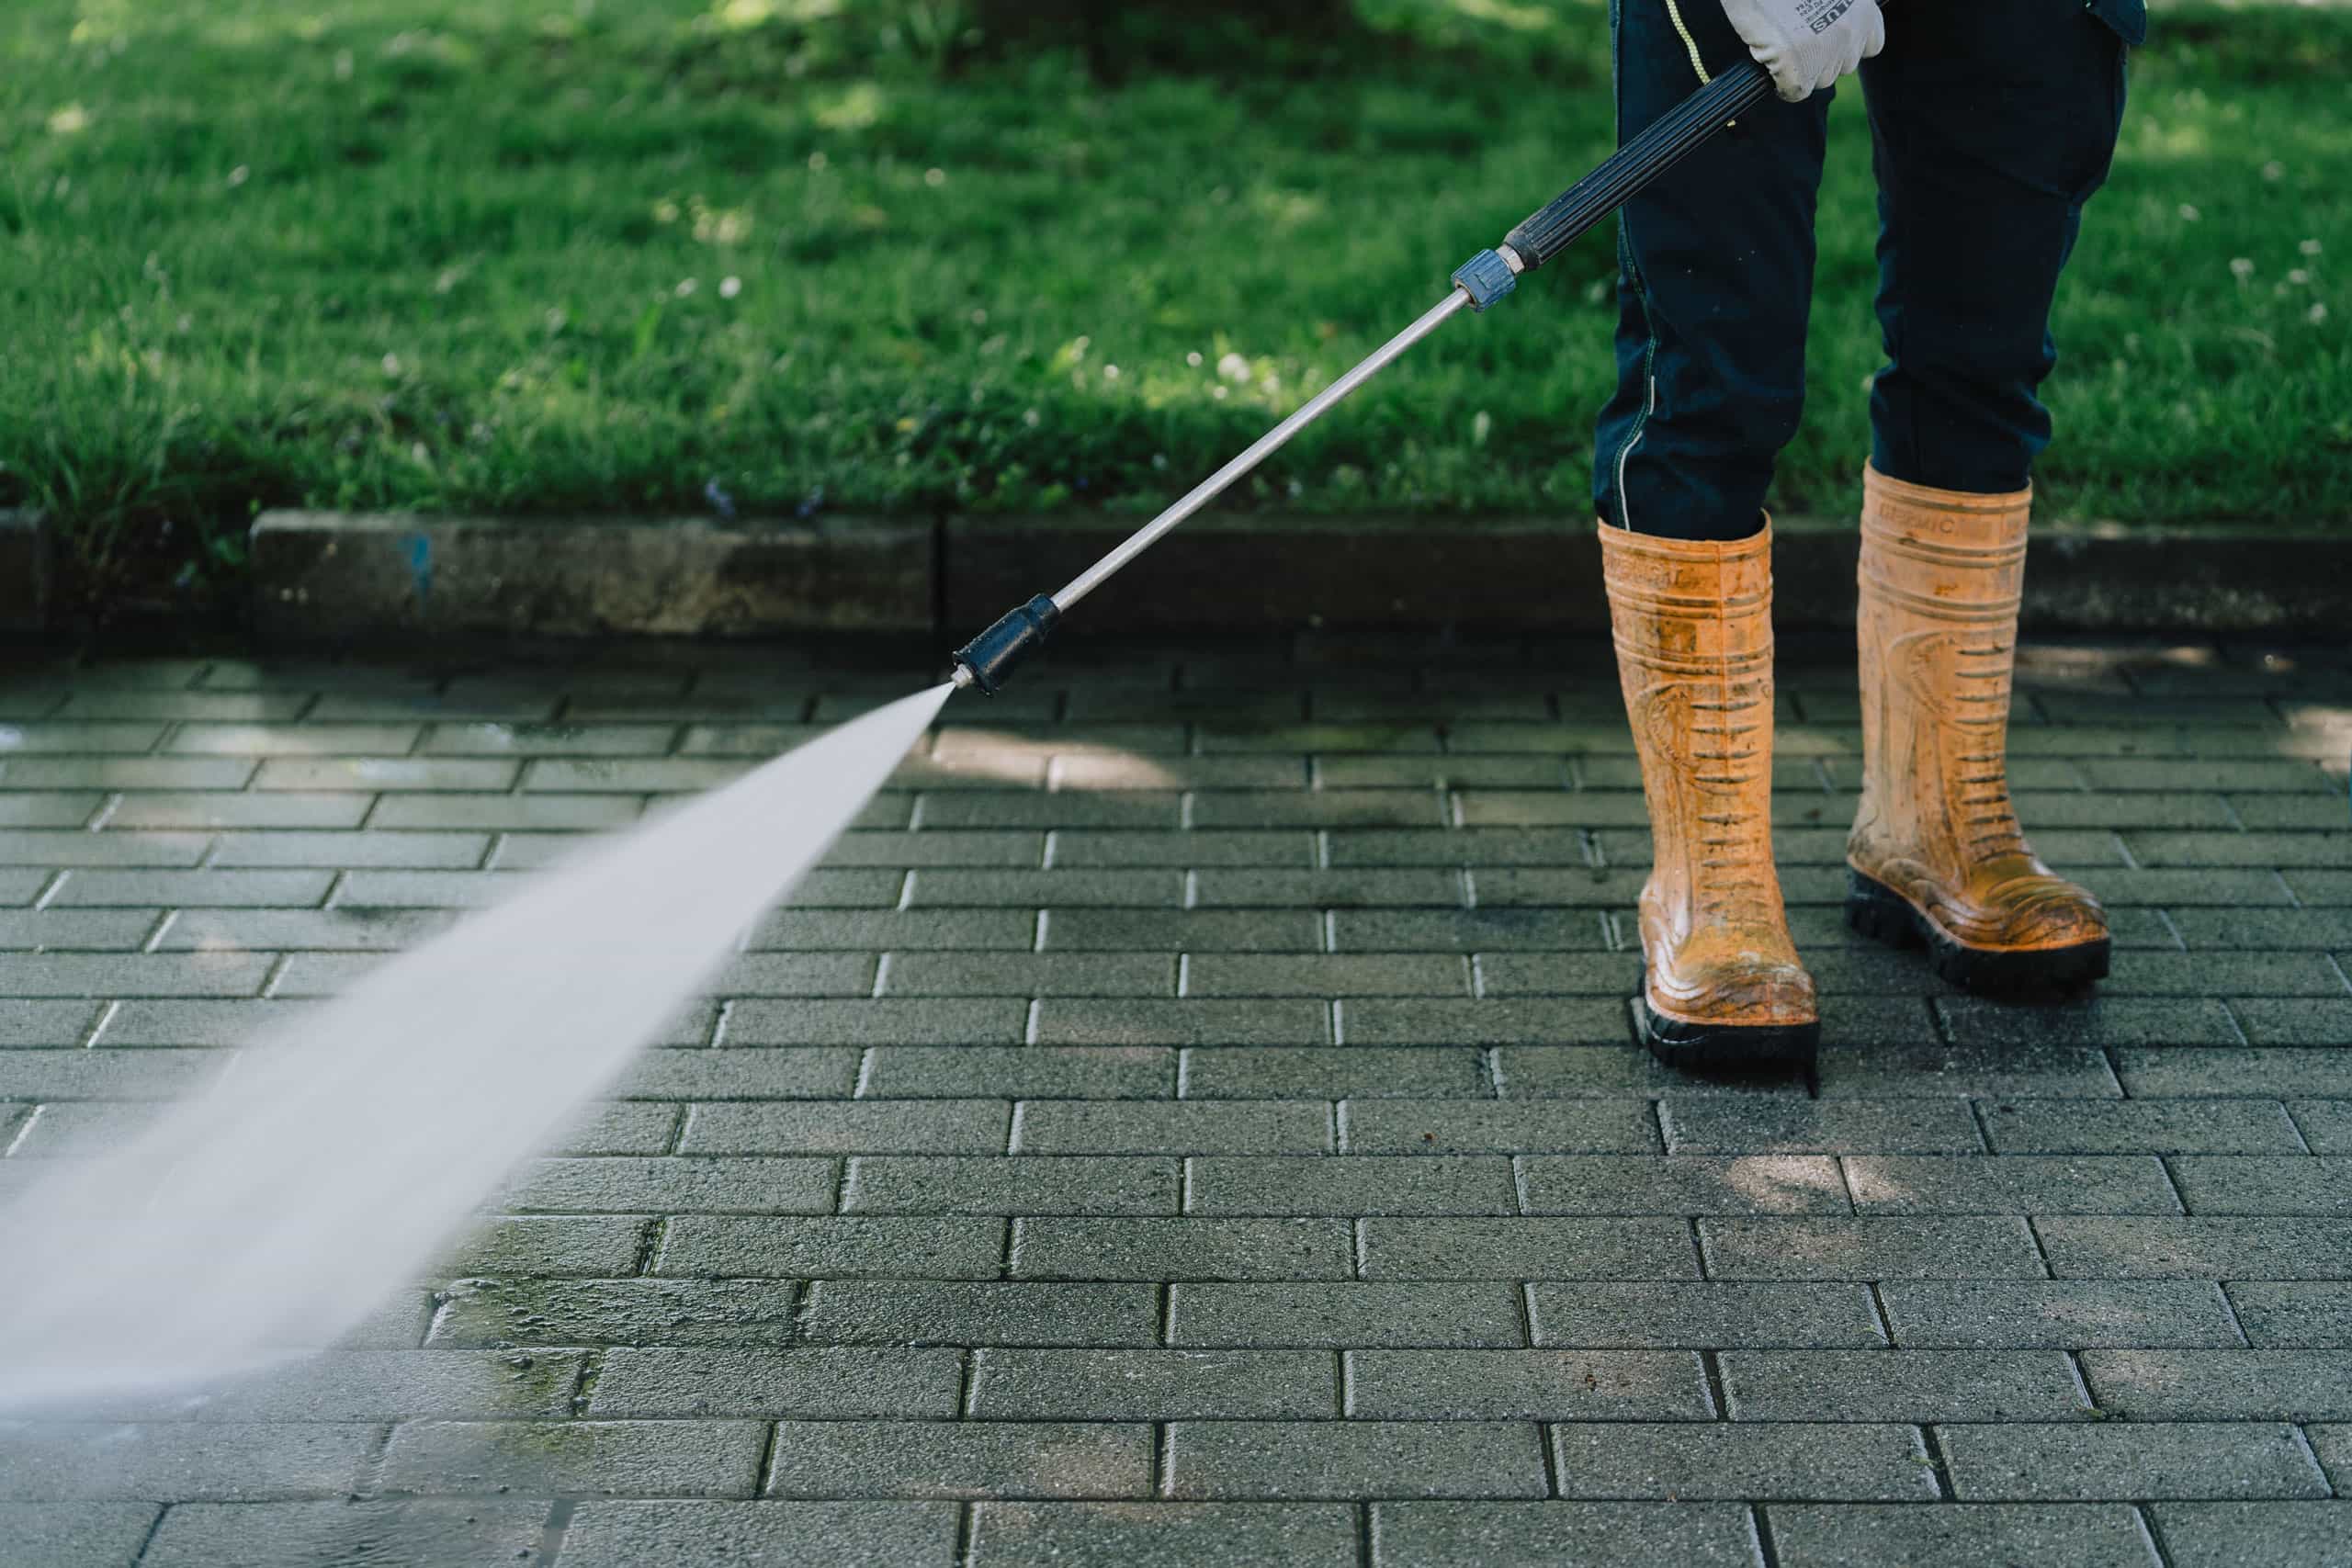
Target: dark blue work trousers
(1992, 122)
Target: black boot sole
(1718, 1051)
(1884, 915)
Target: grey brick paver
(975, 1458)
(2222, 1385)
(1404, 1315)
(1085, 1127)
(1873, 1247)
(1071, 1184)
(1235, 1184)
(2308, 1314)
(1702, 1316)
(874, 1126)
(849, 1245)
(2279, 1534)
(2017, 1184)
(1900, 1386)
(2197, 1247)
(1683, 1183)
(2149, 1126)
(1466, 1127)
(1311, 1072)
(2219, 1185)
(2068, 1314)
(828, 1382)
(1354, 1459)
(1026, 1313)
(485, 1311)
(674, 1185)
(1728, 1125)
(1701, 1459)
(1959, 1535)
(629, 1459)
(1560, 1534)
(184, 1460)
(1153, 1385)
(1163, 1535)
(1030, 1072)
(2092, 1461)
(416, 1529)
(1533, 1248)
(841, 1534)
(1079, 1249)
(1527, 1385)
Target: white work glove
(1807, 44)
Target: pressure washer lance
(990, 658)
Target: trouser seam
(1631, 265)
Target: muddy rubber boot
(1937, 856)
(1722, 989)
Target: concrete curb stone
(343, 575)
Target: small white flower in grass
(729, 286)
(2274, 169)
(1110, 372)
(70, 120)
(344, 66)
(1030, 419)
(2189, 214)
(1194, 359)
(2241, 268)
(391, 365)
(980, 318)
(934, 178)
(1482, 424)
(1217, 393)
(686, 285)
(2299, 276)
(2308, 247)
(239, 174)
(1233, 367)
(2316, 314)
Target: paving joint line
(154, 1529)
(1878, 1312)
(1767, 1550)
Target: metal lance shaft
(988, 660)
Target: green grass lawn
(535, 256)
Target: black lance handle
(1664, 143)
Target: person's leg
(1993, 123)
(1714, 282)
(1716, 274)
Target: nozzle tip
(963, 677)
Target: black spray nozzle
(994, 655)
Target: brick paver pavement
(1192, 1120)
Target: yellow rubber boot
(1722, 989)
(1937, 855)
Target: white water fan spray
(341, 1154)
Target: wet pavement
(1192, 1119)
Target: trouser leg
(1715, 278)
(1992, 123)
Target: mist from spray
(339, 1156)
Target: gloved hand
(1807, 44)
